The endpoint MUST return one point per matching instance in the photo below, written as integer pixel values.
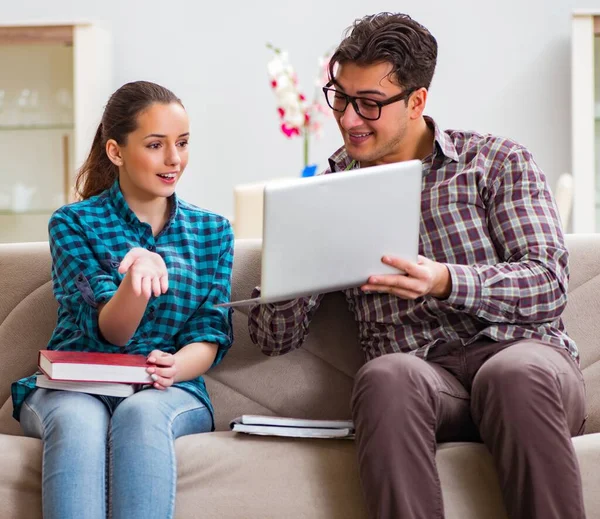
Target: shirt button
(151, 248)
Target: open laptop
(329, 232)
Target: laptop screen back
(329, 232)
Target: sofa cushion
(313, 382)
(229, 476)
(240, 476)
(20, 477)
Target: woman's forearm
(194, 360)
(120, 317)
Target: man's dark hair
(394, 38)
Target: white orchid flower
(297, 116)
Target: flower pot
(309, 171)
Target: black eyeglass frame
(352, 100)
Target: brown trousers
(524, 399)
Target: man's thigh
(526, 365)
(403, 376)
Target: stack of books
(112, 374)
(292, 427)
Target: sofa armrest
(27, 311)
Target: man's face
(372, 142)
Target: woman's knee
(65, 414)
(153, 407)
(173, 412)
(138, 413)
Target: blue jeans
(110, 456)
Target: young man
(469, 344)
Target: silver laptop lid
(329, 232)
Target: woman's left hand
(165, 369)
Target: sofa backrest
(314, 381)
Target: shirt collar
(444, 149)
(118, 201)
(341, 161)
(443, 142)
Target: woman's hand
(146, 271)
(164, 370)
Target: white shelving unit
(50, 106)
(585, 103)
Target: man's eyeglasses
(369, 109)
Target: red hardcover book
(84, 366)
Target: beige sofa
(224, 476)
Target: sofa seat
(236, 476)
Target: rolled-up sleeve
(278, 328)
(80, 283)
(208, 323)
(529, 284)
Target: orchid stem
(306, 137)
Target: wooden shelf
(35, 127)
(36, 35)
(6, 212)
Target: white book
(256, 419)
(293, 432)
(292, 427)
(93, 388)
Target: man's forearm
(520, 292)
(281, 327)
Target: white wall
(503, 67)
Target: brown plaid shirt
(488, 214)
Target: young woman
(136, 270)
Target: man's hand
(164, 370)
(146, 271)
(423, 278)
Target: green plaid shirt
(89, 239)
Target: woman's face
(155, 155)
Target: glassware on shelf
(2, 106)
(5, 201)
(64, 100)
(22, 106)
(28, 108)
(34, 108)
(8, 108)
(21, 197)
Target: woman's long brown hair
(118, 120)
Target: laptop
(328, 232)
